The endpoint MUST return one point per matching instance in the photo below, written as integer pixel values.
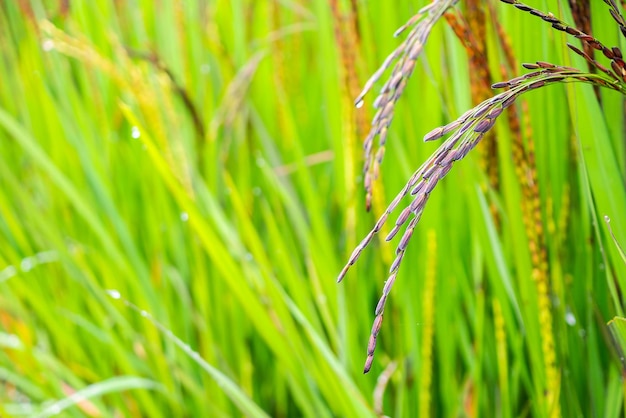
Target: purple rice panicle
(467, 131)
(405, 57)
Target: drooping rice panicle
(405, 57)
(467, 131)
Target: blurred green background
(180, 184)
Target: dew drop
(134, 132)
(115, 294)
(26, 264)
(11, 341)
(145, 314)
(48, 45)
(7, 273)
(47, 256)
(570, 319)
(359, 104)
(54, 410)
(184, 216)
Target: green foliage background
(232, 237)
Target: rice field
(183, 184)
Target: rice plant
(179, 186)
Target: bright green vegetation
(159, 265)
